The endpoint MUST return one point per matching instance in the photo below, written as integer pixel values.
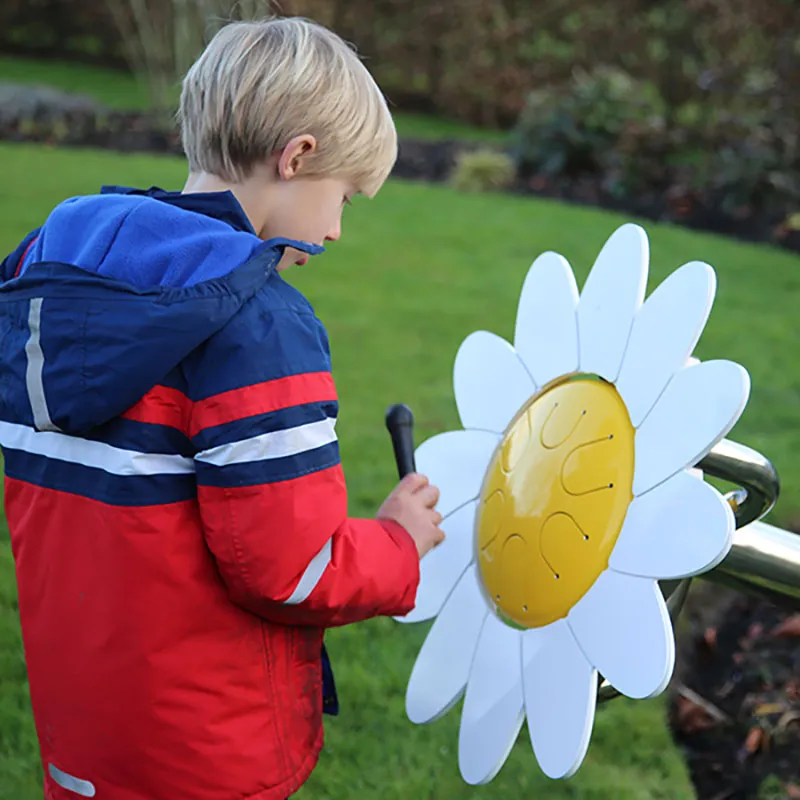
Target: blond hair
(259, 84)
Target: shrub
(754, 170)
(41, 103)
(646, 156)
(771, 788)
(483, 170)
(567, 130)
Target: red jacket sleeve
(273, 503)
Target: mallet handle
(400, 422)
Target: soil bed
(735, 710)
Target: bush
(41, 103)
(646, 156)
(63, 29)
(753, 170)
(771, 788)
(475, 61)
(568, 130)
(483, 170)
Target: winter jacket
(176, 502)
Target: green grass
(418, 269)
(115, 89)
(122, 91)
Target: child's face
(308, 209)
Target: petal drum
(554, 500)
(570, 492)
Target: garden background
(524, 127)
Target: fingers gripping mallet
(400, 422)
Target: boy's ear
(291, 158)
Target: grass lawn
(418, 269)
(119, 90)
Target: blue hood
(114, 291)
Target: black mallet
(400, 422)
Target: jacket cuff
(408, 566)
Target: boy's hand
(412, 505)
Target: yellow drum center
(554, 500)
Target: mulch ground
(735, 709)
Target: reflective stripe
(33, 374)
(312, 575)
(276, 444)
(71, 783)
(100, 455)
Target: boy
(177, 507)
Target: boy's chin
(292, 257)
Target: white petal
(490, 382)
(560, 698)
(611, 296)
(441, 568)
(442, 667)
(697, 409)
(623, 626)
(546, 334)
(456, 462)
(664, 334)
(681, 528)
(493, 706)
